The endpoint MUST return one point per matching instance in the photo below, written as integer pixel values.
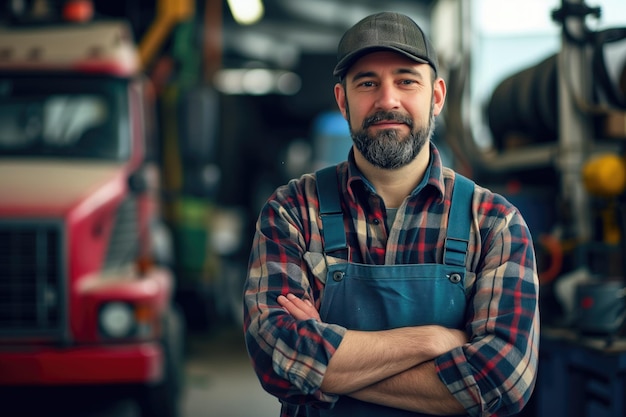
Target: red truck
(85, 301)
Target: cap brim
(346, 62)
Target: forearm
(366, 358)
(290, 358)
(418, 389)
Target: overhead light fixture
(246, 12)
(257, 82)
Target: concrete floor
(220, 381)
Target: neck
(395, 185)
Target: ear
(340, 98)
(439, 95)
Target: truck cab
(86, 294)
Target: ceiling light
(257, 81)
(246, 12)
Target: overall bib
(379, 297)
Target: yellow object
(605, 175)
(169, 13)
(610, 226)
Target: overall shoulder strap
(459, 222)
(333, 232)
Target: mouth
(388, 123)
(388, 120)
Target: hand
(299, 309)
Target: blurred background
(139, 140)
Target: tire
(163, 398)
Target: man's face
(390, 103)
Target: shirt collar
(434, 174)
(433, 180)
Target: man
(373, 289)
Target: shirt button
(376, 222)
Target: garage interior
(219, 103)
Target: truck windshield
(64, 117)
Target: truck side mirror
(137, 182)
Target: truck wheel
(163, 398)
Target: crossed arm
(389, 367)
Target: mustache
(390, 116)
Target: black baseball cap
(384, 31)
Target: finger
(298, 308)
(292, 307)
(303, 304)
(306, 306)
(291, 300)
(282, 300)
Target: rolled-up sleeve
(289, 356)
(495, 373)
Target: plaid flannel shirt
(493, 374)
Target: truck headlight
(117, 319)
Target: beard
(388, 149)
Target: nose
(387, 98)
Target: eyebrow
(401, 70)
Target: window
(66, 117)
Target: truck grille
(124, 244)
(32, 283)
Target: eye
(367, 84)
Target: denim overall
(379, 297)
